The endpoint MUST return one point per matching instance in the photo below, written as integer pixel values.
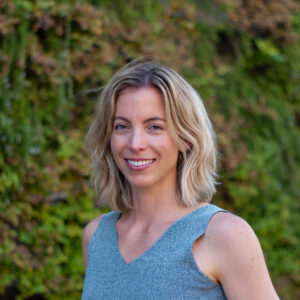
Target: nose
(137, 141)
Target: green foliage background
(243, 57)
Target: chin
(140, 183)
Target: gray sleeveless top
(167, 270)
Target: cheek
(116, 145)
(166, 146)
(113, 147)
(114, 151)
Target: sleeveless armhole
(194, 240)
(92, 241)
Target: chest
(133, 242)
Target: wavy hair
(188, 124)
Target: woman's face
(140, 143)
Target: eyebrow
(146, 121)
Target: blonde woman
(154, 159)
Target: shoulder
(226, 226)
(90, 228)
(226, 239)
(88, 231)
(231, 236)
(237, 258)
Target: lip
(139, 168)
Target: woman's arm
(87, 234)
(238, 261)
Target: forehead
(143, 101)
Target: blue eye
(120, 127)
(155, 127)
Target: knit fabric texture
(167, 270)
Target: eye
(155, 127)
(120, 127)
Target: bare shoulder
(88, 231)
(238, 260)
(229, 227)
(232, 238)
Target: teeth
(140, 162)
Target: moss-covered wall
(243, 57)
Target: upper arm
(86, 236)
(239, 263)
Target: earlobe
(187, 150)
(180, 156)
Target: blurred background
(243, 57)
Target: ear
(188, 145)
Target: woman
(154, 159)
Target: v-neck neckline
(157, 242)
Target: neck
(149, 203)
(154, 206)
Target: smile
(140, 163)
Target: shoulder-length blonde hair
(188, 125)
